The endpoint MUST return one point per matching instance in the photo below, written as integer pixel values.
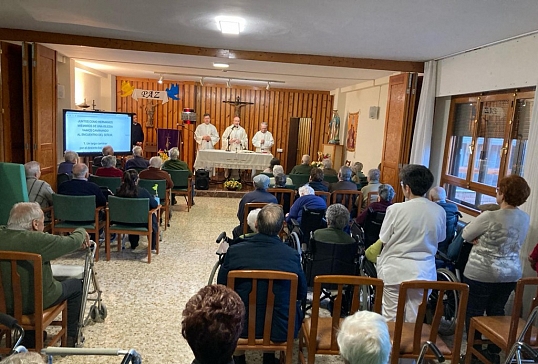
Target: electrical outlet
(279, 150)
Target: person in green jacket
(304, 167)
(24, 233)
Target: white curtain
(422, 136)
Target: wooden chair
(112, 183)
(407, 338)
(299, 180)
(372, 197)
(284, 196)
(182, 185)
(122, 213)
(324, 195)
(163, 194)
(249, 207)
(318, 334)
(265, 343)
(503, 330)
(72, 212)
(346, 198)
(16, 269)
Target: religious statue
(334, 129)
(150, 112)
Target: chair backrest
(311, 220)
(342, 282)
(249, 207)
(372, 197)
(21, 273)
(12, 188)
(73, 208)
(94, 168)
(363, 181)
(299, 180)
(128, 210)
(61, 178)
(284, 196)
(330, 258)
(460, 289)
(324, 195)
(528, 284)
(179, 177)
(149, 183)
(330, 178)
(271, 278)
(112, 183)
(346, 197)
(372, 226)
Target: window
(486, 140)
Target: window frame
(512, 96)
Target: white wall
(369, 138)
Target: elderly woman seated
(212, 323)
(372, 217)
(337, 216)
(108, 168)
(308, 200)
(278, 169)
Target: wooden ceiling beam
(133, 45)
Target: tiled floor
(145, 301)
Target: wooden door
(305, 139)
(291, 155)
(11, 115)
(399, 125)
(39, 79)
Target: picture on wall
(352, 122)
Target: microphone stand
(180, 141)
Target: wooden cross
(237, 105)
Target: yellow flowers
(232, 184)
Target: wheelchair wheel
(214, 272)
(367, 269)
(450, 299)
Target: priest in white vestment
(263, 140)
(206, 134)
(235, 137)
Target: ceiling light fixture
(220, 65)
(229, 83)
(268, 87)
(160, 82)
(201, 81)
(230, 24)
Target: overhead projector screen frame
(87, 132)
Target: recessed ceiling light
(230, 24)
(221, 65)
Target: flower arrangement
(163, 154)
(316, 164)
(319, 162)
(232, 184)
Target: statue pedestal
(337, 154)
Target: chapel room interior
(450, 85)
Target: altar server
(206, 134)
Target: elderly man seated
(108, 168)
(304, 167)
(328, 169)
(154, 172)
(24, 233)
(107, 150)
(337, 216)
(38, 191)
(307, 199)
(372, 186)
(266, 251)
(260, 194)
(137, 162)
(176, 164)
(364, 339)
(278, 169)
(70, 159)
(80, 186)
(344, 181)
(212, 322)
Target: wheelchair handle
(220, 237)
(8, 321)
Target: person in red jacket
(108, 168)
(533, 257)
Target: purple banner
(167, 139)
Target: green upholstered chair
(123, 212)
(61, 178)
(182, 184)
(72, 212)
(330, 178)
(162, 193)
(268, 174)
(12, 188)
(299, 180)
(94, 169)
(112, 183)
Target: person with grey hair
(304, 167)
(278, 169)
(364, 338)
(70, 159)
(176, 164)
(38, 191)
(263, 140)
(372, 214)
(337, 216)
(107, 150)
(266, 251)
(80, 186)
(344, 182)
(154, 172)
(372, 186)
(328, 169)
(108, 168)
(24, 233)
(356, 169)
(137, 162)
(260, 194)
(307, 199)
(438, 195)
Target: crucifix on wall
(237, 104)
